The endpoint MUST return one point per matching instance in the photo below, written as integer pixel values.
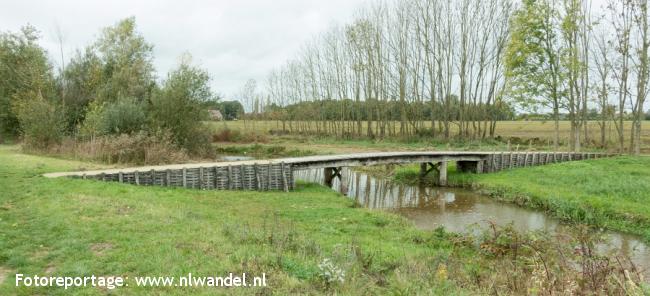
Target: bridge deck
(277, 174)
(306, 162)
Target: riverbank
(310, 241)
(611, 193)
(75, 227)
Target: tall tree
(25, 72)
(532, 59)
(179, 105)
(127, 60)
(641, 20)
(83, 78)
(622, 20)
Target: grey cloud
(234, 40)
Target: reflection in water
(457, 210)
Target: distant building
(215, 115)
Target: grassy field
(310, 241)
(612, 193)
(524, 130)
(76, 227)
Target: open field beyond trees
(538, 133)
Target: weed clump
(542, 263)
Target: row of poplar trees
(450, 68)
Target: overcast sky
(234, 40)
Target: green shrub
(125, 116)
(178, 108)
(42, 124)
(92, 125)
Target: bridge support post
(442, 167)
(330, 174)
(426, 168)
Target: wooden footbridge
(277, 174)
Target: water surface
(460, 210)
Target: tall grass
(135, 149)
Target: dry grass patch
(99, 249)
(4, 274)
(50, 269)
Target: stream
(461, 210)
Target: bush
(125, 116)
(141, 149)
(41, 123)
(92, 125)
(178, 108)
(226, 135)
(138, 149)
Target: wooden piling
(201, 178)
(258, 182)
(268, 176)
(443, 173)
(231, 183)
(285, 184)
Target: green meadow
(310, 241)
(77, 227)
